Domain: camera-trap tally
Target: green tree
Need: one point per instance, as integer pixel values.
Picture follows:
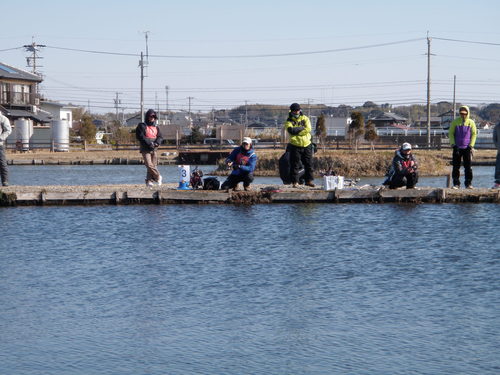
(87, 129)
(370, 133)
(356, 128)
(196, 136)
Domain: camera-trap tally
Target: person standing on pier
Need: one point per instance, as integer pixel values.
(243, 160)
(496, 140)
(5, 130)
(149, 136)
(462, 135)
(300, 145)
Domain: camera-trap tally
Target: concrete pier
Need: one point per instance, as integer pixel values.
(168, 194)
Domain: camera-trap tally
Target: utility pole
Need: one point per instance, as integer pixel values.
(309, 108)
(454, 92)
(428, 91)
(33, 48)
(141, 64)
(246, 113)
(157, 105)
(117, 103)
(189, 99)
(166, 108)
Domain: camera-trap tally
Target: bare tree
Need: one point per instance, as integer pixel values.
(370, 133)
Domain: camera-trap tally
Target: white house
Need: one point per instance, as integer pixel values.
(57, 111)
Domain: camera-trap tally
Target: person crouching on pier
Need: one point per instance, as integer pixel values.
(243, 160)
(403, 170)
(149, 136)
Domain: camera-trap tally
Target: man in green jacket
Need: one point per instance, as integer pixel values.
(462, 135)
(300, 145)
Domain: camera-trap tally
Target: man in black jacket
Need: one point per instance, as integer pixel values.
(150, 138)
(403, 171)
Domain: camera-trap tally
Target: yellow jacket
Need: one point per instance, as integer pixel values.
(299, 129)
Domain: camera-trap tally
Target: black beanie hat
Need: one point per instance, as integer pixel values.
(295, 107)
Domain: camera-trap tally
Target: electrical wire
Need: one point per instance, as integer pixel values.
(243, 56)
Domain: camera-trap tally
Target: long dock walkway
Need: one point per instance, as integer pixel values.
(168, 194)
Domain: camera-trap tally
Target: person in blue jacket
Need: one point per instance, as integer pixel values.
(243, 160)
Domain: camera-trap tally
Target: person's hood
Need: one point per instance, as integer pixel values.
(290, 114)
(467, 109)
(149, 113)
(402, 155)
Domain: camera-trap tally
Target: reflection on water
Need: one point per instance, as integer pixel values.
(271, 289)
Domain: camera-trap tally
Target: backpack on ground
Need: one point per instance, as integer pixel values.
(211, 183)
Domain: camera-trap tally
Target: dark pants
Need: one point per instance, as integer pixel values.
(400, 180)
(460, 154)
(233, 180)
(4, 174)
(497, 168)
(301, 156)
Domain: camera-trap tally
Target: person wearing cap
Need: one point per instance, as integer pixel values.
(300, 147)
(462, 135)
(5, 130)
(243, 160)
(149, 136)
(403, 170)
(496, 141)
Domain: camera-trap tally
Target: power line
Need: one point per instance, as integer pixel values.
(10, 49)
(243, 56)
(467, 41)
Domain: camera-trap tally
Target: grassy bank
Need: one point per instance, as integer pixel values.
(346, 163)
(363, 163)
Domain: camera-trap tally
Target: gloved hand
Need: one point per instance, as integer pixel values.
(294, 130)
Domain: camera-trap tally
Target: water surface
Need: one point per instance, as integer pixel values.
(266, 289)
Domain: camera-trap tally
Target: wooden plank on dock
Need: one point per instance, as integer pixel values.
(193, 196)
(304, 196)
(409, 195)
(137, 194)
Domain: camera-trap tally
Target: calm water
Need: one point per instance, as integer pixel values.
(266, 289)
(134, 174)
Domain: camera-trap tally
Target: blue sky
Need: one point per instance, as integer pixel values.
(376, 51)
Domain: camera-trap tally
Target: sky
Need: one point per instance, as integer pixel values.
(220, 54)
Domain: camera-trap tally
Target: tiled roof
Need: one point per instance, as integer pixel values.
(7, 71)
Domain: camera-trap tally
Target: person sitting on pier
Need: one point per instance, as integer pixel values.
(403, 170)
(149, 136)
(243, 160)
